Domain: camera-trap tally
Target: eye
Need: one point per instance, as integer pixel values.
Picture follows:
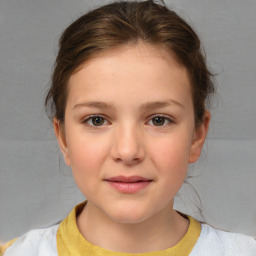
(160, 121)
(95, 121)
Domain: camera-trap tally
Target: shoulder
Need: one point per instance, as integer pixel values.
(38, 242)
(218, 242)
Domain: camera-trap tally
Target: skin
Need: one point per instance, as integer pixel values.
(128, 142)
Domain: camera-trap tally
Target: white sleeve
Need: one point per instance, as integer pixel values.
(38, 242)
(212, 242)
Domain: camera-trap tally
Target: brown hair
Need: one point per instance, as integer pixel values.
(124, 22)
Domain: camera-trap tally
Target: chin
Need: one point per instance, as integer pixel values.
(128, 215)
(128, 219)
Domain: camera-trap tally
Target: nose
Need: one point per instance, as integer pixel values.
(128, 145)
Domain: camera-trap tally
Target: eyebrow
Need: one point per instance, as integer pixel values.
(94, 104)
(144, 107)
(160, 104)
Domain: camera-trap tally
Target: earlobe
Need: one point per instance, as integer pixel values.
(199, 138)
(60, 135)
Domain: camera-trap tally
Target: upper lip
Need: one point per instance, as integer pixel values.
(128, 179)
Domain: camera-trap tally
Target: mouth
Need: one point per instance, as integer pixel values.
(128, 185)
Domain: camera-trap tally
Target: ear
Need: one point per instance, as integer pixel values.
(60, 135)
(200, 134)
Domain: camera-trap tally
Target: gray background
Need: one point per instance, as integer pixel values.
(37, 190)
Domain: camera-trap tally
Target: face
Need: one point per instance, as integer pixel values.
(129, 131)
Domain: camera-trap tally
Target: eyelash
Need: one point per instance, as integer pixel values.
(166, 119)
(90, 118)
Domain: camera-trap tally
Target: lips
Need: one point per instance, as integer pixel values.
(128, 185)
(130, 179)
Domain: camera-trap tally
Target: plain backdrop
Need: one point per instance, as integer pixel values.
(37, 190)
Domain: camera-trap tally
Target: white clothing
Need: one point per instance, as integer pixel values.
(38, 242)
(211, 242)
(214, 242)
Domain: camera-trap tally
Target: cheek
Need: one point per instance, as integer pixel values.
(171, 156)
(85, 153)
(172, 165)
(86, 159)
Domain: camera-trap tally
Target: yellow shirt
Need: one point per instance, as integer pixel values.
(71, 242)
(66, 240)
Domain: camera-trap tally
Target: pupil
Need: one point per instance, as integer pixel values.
(158, 121)
(97, 121)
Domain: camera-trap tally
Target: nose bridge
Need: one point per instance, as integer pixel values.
(128, 143)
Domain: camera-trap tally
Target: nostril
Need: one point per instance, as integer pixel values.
(128, 161)
(127, 147)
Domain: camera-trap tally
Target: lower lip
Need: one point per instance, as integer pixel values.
(129, 187)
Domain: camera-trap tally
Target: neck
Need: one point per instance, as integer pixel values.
(159, 232)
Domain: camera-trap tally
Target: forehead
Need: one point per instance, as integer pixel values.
(140, 50)
(130, 69)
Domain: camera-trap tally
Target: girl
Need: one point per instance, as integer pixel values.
(128, 104)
